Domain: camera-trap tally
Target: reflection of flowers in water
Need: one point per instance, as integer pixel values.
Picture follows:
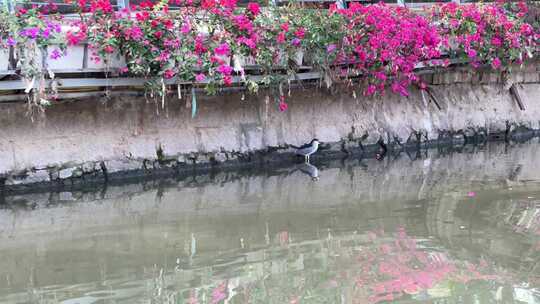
(369, 269)
(219, 293)
(400, 267)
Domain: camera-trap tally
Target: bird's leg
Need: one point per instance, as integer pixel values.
(308, 158)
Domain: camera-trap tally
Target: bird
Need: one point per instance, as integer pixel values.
(307, 149)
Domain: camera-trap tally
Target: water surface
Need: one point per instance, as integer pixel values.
(432, 227)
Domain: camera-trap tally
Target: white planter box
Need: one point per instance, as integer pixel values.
(298, 57)
(226, 59)
(281, 59)
(115, 61)
(247, 61)
(240, 62)
(4, 60)
(71, 59)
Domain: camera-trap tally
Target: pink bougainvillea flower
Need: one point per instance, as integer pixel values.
(11, 42)
(158, 34)
(222, 50)
(496, 41)
(228, 3)
(168, 74)
(108, 49)
(496, 63)
(370, 90)
(248, 42)
(283, 106)
(199, 45)
(227, 80)
(186, 28)
(254, 8)
(208, 4)
(471, 194)
(280, 37)
(243, 23)
(300, 33)
(142, 16)
(21, 11)
(75, 38)
(331, 48)
(526, 29)
(200, 77)
(225, 69)
(55, 54)
(135, 32)
(219, 293)
(471, 53)
(398, 87)
(446, 62)
(31, 33)
(163, 56)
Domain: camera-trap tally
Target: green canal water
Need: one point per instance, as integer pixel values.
(433, 227)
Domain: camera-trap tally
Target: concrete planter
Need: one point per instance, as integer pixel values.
(72, 59)
(298, 57)
(4, 60)
(114, 61)
(247, 61)
(240, 62)
(225, 59)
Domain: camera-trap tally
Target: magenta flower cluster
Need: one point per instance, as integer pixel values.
(210, 41)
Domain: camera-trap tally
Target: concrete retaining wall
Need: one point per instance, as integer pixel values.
(94, 139)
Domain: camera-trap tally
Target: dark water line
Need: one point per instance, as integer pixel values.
(267, 162)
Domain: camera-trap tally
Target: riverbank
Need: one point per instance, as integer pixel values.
(96, 140)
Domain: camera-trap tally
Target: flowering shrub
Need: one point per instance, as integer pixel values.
(5, 37)
(492, 33)
(384, 44)
(212, 41)
(35, 34)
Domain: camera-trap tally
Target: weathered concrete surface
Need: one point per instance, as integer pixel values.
(91, 139)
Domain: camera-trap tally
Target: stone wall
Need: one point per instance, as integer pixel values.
(96, 139)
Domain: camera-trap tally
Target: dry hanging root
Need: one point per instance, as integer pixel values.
(193, 103)
(163, 92)
(179, 89)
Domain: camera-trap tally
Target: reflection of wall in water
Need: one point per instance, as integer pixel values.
(152, 224)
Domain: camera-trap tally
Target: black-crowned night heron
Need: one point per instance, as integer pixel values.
(307, 149)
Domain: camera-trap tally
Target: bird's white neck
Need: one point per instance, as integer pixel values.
(316, 144)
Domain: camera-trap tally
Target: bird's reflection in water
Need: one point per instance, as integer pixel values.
(310, 170)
